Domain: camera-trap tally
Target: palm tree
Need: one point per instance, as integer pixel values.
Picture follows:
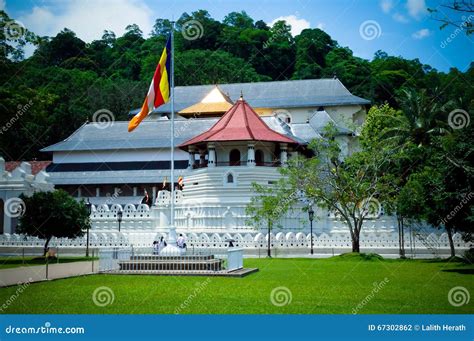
(423, 117)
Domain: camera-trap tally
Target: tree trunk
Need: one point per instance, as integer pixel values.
(269, 250)
(451, 242)
(401, 237)
(355, 245)
(45, 249)
(355, 234)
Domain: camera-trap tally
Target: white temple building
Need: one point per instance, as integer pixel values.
(223, 144)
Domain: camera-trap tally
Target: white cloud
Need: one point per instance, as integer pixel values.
(416, 8)
(386, 5)
(321, 25)
(88, 19)
(297, 25)
(400, 17)
(421, 34)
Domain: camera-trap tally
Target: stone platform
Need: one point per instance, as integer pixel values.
(180, 263)
(186, 265)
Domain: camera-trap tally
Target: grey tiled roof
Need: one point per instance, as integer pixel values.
(279, 94)
(151, 134)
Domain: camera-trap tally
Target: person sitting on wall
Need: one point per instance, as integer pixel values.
(181, 242)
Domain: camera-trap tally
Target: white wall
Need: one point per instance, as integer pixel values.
(162, 154)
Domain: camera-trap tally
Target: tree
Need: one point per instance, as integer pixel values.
(347, 186)
(457, 13)
(312, 46)
(53, 214)
(208, 67)
(268, 206)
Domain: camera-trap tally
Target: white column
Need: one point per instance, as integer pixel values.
(153, 195)
(283, 153)
(191, 157)
(250, 155)
(79, 192)
(135, 191)
(212, 155)
(97, 191)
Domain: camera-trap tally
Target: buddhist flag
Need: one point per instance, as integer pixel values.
(164, 182)
(180, 181)
(159, 91)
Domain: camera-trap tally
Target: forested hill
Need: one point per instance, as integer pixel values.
(47, 96)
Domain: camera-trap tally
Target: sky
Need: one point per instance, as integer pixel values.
(398, 27)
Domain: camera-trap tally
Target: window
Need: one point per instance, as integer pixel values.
(259, 157)
(234, 157)
(230, 178)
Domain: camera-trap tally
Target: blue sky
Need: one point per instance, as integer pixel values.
(399, 27)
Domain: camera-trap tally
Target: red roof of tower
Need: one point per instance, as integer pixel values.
(239, 123)
(36, 166)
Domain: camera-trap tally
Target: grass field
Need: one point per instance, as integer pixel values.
(13, 262)
(340, 285)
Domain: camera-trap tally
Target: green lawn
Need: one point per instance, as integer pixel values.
(13, 262)
(335, 285)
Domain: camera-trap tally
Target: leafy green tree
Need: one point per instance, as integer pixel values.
(348, 186)
(312, 46)
(208, 67)
(268, 207)
(53, 214)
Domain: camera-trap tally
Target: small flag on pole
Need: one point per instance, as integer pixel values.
(164, 182)
(159, 91)
(180, 182)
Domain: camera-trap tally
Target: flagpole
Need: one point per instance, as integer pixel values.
(172, 234)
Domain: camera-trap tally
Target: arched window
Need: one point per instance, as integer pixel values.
(259, 157)
(234, 157)
(230, 178)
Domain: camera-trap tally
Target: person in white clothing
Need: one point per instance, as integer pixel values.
(161, 244)
(181, 242)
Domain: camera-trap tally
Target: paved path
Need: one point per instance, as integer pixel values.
(29, 274)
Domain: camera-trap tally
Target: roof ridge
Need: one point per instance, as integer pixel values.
(247, 119)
